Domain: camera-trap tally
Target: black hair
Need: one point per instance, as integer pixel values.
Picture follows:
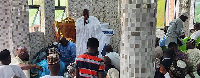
(172, 44)
(169, 52)
(93, 43)
(4, 54)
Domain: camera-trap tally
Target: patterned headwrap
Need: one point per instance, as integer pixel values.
(71, 67)
(53, 56)
(180, 68)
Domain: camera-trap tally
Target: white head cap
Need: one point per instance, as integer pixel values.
(86, 7)
(185, 14)
(20, 47)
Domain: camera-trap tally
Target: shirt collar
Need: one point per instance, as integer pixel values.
(92, 54)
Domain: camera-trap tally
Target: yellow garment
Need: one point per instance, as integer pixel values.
(16, 61)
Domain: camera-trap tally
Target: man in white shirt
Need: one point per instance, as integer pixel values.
(8, 71)
(88, 27)
(174, 31)
(22, 61)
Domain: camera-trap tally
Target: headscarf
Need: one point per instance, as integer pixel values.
(180, 68)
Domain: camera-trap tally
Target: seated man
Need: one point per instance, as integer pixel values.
(8, 71)
(113, 57)
(22, 61)
(67, 50)
(179, 54)
(54, 66)
(44, 65)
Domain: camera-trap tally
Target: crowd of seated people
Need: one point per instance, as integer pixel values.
(178, 61)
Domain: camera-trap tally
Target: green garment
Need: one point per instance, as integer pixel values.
(183, 47)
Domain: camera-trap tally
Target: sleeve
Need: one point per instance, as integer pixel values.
(59, 47)
(167, 75)
(73, 53)
(195, 35)
(76, 66)
(179, 28)
(101, 67)
(21, 73)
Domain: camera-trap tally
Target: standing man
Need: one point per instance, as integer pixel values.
(88, 65)
(67, 50)
(87, 27)
(175, 30)
(22, 60)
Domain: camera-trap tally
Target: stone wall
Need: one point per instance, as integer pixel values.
(107, 11)
(14, 25)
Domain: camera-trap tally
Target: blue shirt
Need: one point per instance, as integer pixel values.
(162, 41)
(46, 71)
(68, 53)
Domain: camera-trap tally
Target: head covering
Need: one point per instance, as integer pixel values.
(20, 47)
(185, 14)
(86, 7)
(53, 56)
(113, 73)
(71, 67)
(179, 68)
(115, 59)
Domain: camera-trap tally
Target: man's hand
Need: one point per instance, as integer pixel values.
(162, 69)
(39, 67)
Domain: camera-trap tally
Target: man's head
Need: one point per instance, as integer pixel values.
(190, 44)
(197, 26)
(92, 45)
(184, 17)
(169, 53)
(165, 29)
(64, 41)
(157, 41)
(22, 53)
(86, 11)
(5, 57)
(53, 63)
(109, 48)
(173, 46)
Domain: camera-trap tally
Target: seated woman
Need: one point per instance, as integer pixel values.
(179, 69)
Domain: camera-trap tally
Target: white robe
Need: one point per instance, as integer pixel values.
(83, 33)
(8, 71)
(195, 35)
(48, 76)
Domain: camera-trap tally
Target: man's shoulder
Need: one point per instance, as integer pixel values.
(71, 43)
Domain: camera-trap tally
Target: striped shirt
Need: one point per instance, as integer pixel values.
(89, 65)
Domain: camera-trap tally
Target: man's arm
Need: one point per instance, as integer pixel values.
(101, 70)
(179, 26)
(73, 53)
(77, 73)
(26, 66)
